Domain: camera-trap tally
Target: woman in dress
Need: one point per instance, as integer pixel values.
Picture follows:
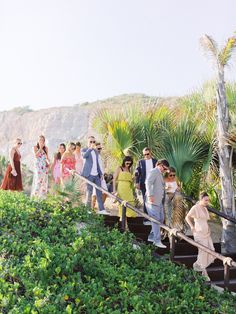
(123, 185)
(78, 158)
(40, 180)
(12, 179)
(67, 162)
(197, 219)
(174, 205)
(56, 166)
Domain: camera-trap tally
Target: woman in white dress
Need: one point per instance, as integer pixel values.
(197, 219)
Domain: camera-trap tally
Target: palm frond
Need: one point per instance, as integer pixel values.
(120, 138)
(227, 51)
(183, 148)
(209, 46)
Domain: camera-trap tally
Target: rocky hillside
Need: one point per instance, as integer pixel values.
(60, 124)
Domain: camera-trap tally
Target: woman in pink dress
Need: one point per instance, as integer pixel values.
(56, 166)
(78, 158)
(67, 162)
(197, 219)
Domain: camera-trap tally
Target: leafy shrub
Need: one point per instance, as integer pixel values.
(47, 267)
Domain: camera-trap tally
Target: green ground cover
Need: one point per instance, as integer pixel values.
(47, 267)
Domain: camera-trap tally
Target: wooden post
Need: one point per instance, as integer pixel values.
(226, 276)
(123, 218)
(172, 247)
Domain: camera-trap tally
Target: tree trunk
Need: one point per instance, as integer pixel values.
(225, 164)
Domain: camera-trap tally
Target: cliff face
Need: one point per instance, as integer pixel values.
(58, 125)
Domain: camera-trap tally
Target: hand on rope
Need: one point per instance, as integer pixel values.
(174, 232)
(227, 261)
(124, 203)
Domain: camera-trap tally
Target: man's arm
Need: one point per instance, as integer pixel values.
(85, 152)
(151, 178)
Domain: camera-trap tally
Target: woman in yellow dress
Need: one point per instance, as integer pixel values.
(123, 185)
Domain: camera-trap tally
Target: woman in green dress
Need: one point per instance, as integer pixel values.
(123, 185)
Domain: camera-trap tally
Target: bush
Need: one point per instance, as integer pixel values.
(47, 267)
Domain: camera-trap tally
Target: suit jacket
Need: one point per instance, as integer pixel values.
(140, 172)
(155, 186)
(88, 162)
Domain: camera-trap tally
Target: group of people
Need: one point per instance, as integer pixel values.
(155, 179)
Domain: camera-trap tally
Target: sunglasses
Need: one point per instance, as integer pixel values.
(128, 163)
(92, 142)
(99, 148)
(146, 154)
(19, 143)
(172, 175)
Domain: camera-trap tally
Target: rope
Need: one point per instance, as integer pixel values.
(227, 261)
(174, 232)
(124, 203)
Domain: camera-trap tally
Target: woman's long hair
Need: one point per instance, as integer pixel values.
(58, 155)
(127, 158)
(44, 147)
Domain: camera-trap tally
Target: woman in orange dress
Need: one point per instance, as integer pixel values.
(201, 233)
(68, 161)
(12, 179)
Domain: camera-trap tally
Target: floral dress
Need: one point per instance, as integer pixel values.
(40, 180)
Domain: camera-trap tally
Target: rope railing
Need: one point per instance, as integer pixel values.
(174, 233)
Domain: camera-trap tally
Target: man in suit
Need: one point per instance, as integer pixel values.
(155, 195)
(144, 166)
(92, 171)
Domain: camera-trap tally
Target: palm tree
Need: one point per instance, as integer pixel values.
(221, 58)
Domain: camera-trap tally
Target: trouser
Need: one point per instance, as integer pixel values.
(157, 212)
(143, 190)
(96, 180)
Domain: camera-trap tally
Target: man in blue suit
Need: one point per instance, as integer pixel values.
(91, 171)
(144, 166)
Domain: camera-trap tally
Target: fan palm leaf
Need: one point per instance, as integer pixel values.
(184, 148)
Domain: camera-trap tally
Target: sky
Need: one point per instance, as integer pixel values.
(65, 52)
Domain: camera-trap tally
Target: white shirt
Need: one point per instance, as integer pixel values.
(171, 187)
(94, 170)
(149, 166)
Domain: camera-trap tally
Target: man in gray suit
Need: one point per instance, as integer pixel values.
(155, 194)
(91, 171)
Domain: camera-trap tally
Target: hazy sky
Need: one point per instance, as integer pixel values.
(62, 52)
